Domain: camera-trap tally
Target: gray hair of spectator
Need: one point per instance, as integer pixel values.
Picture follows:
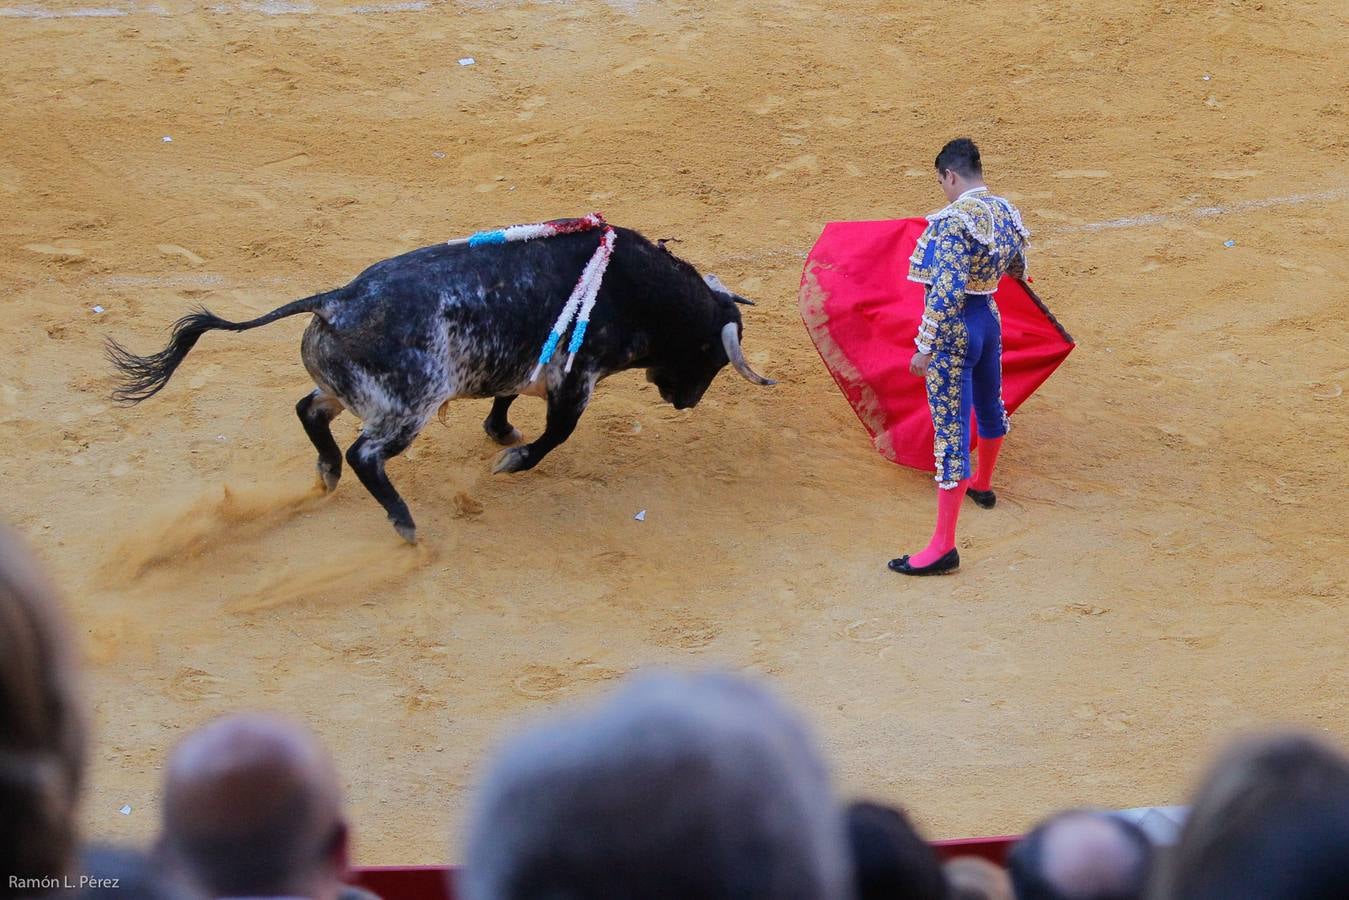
(1271, 818)
(1082, 855)
(677, 786)
(42, 732)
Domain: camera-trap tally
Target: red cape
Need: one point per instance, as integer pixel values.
(863, 312)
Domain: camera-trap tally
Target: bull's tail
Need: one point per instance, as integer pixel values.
(144, 376)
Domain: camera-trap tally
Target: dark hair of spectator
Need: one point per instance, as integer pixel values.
(41, 726)
(120, 873)
(891, 861)
(1271, 819)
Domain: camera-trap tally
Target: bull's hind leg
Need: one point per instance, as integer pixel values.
(498, 426)
(379, 442)
(316, 412)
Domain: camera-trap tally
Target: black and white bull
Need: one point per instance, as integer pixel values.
(451, 321)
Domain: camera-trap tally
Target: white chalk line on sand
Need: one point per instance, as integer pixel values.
(1205, 212)
(285, 8)
(265, 7)
(37, 12)
(1139, 221)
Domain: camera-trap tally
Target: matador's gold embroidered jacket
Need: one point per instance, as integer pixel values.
(966, 249)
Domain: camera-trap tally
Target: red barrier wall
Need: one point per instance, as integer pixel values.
(431, 882)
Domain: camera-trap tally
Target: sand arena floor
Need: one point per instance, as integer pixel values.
(1166, 564)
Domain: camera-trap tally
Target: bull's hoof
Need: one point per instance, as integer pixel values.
(407, 531)
(516, 459)
(508, 438)
(329, 477)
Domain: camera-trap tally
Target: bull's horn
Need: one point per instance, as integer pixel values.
(730, 339)
(715, 284)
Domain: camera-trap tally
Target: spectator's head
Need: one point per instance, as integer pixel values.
(891, 861)
(1082, 855)
(973, 878)
(678, 786)
(1271, 819)
(41, 725)
(252, 808)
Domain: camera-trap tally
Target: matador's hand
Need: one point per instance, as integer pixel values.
(919, 363)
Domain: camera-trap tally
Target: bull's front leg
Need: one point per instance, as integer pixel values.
(498, 426)
(566, 402)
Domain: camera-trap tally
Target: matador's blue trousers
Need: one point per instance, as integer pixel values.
(965, 375)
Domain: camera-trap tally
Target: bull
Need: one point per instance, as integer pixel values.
(452, 321)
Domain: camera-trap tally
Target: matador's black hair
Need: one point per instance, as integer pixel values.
(962, 157)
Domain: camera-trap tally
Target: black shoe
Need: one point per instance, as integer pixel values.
(948, 563)
(986, 499)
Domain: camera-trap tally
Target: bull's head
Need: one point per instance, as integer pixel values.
(683, 384)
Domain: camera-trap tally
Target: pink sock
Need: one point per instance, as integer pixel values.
(944, 537)
(989, 448)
